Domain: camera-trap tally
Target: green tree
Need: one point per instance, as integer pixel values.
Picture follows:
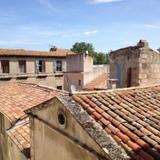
(82, 47)
(101, 58)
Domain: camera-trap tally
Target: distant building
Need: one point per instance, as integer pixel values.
(45, 68)
(82, 74)
(134, 66)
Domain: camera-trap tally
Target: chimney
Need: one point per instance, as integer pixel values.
(143, 43)
(112, 83)
(53, 48)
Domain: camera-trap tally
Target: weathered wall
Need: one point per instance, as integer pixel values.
(51, 78)
(143, 61)
(79, 63)
(14, 152)
(60, 141)
(149, 67)
(8, 150)
(97, 71)
(73, 79)
(120, 62)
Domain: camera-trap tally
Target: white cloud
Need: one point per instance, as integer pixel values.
(89, 33)
(152, 26)
(103, 1)
(46, 3)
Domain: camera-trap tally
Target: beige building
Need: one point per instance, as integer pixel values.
(45, 68)
(135, 65)
(81, 72)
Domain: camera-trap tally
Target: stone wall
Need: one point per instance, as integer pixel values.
(143, 63)
(122, 62)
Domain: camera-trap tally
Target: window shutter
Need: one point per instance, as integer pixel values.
(64, 66)
(37, 66)
(54, 66)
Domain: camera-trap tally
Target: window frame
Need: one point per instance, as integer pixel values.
(20, 65)
(59, 67)
(3, 65)
(43, 66)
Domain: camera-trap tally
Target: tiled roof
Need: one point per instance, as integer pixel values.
(20, 134)
(130, 116)
(22, 52)
(98, 83)
(15, 98)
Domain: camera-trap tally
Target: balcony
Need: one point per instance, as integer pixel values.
(22, 76)
(5, 76)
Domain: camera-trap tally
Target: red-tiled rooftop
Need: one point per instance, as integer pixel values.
(22, 52)
(130, 116)
(20, 134)
(97, 83)
(15, 98)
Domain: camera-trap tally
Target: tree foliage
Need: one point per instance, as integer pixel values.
(82, 47)
(101, 58)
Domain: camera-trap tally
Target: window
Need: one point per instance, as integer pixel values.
(58, 65)
(59, 87)
(22, 66)
(5, 66)
(79, 82)
(40, 66)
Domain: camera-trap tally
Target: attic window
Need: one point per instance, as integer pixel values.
(61, 120)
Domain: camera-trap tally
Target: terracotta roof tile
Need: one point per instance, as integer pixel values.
(130, 116)
(98, 83)
(20, 134)
(15, 98)
(22, 52)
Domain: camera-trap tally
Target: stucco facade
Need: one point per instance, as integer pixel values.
(67, 141)
(50, 77)
(80, 71)
(134, 66)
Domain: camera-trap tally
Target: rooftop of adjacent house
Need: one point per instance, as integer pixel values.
(20, 134)
(130, 116)
(28, 53)
(98, 83)
(17, 97)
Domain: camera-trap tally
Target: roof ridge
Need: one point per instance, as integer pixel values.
(116, 89)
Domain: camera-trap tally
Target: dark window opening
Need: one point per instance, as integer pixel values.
(79, 82)
(59, 87)
(58, 65)
(61, 119)
(22, 66)
(40, 66)
(129, 77)
(5, 66)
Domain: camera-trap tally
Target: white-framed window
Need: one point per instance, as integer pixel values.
(40, 66)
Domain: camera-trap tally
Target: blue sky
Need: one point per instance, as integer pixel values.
(107, 24)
